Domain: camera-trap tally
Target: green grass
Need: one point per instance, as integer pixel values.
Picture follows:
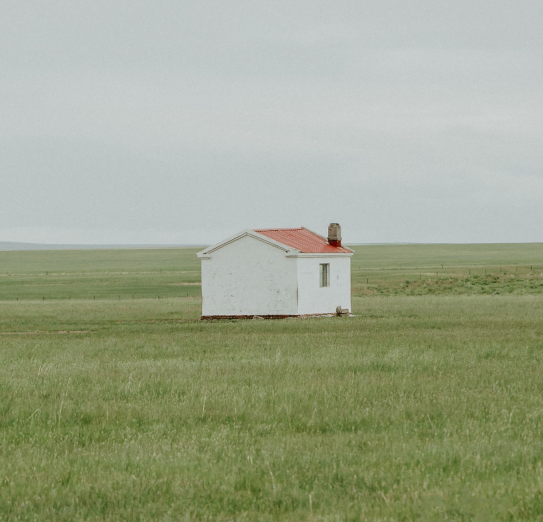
(99, 274)
(446, 269)
(421, 407)
(175, 272)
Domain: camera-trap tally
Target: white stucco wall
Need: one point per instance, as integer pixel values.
(249, 277)
(312, 299)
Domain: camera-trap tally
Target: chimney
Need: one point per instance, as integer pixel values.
(334, 234)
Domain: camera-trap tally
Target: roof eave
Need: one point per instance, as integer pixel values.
(322, 254)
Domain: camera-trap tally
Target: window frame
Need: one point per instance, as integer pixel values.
(324, 275)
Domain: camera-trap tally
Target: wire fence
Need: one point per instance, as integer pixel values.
(360, 276)
(95, 297)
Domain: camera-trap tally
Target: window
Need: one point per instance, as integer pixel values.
(325, 274)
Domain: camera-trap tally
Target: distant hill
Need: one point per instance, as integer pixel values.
(9, 246)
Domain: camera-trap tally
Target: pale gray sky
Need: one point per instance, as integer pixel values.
(185, 121)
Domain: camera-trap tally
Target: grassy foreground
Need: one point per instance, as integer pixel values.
(419, 408)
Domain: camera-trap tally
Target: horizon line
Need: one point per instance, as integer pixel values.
(20, 245)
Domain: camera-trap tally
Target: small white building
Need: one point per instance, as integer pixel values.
(276, 272)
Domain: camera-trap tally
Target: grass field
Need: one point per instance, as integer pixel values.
(117, 403)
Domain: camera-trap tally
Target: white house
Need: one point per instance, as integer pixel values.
(276, 272)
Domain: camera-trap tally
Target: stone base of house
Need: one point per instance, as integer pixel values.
(220, 317)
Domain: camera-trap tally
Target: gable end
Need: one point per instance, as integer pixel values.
(206, 254)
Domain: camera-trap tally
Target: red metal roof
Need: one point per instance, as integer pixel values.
(303, 240)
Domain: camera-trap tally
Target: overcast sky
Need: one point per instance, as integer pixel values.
(186, 121)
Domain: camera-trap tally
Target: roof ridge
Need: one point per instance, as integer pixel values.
(293, 228)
